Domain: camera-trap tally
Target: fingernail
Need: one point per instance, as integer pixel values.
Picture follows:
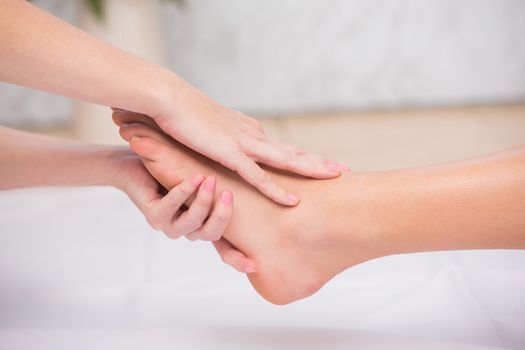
(249, 269)
(197, 180)
(227, 197)
(333, 167)
(293, 198)
(210, 184)
(135, 138)
(343, 167)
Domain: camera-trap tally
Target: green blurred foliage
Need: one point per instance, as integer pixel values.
(97, 6)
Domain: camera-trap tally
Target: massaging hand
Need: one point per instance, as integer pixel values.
(165, 211)
(49, 54)
(238, 142)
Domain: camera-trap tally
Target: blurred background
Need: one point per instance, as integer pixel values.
(378, 84)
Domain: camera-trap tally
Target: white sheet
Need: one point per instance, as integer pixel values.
(80, 266)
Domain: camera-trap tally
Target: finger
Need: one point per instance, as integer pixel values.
(258, 178)
(193, 219)
(137, 129)
(148, 192)
(294, 160)
(121, 117)
(219, 219)
(331, 165)
(233, 257)
(115, 116)
(160, 213)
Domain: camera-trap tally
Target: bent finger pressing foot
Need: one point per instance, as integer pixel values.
(197, 222)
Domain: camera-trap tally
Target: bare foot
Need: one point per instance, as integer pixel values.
(297, 250)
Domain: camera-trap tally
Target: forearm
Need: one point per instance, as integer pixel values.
(28, 160)
(43, 52)
(475, 204)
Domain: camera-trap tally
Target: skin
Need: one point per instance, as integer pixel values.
(28, 160)
(472, 204)
(40, 51)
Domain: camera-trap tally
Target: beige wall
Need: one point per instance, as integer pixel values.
(387, 140)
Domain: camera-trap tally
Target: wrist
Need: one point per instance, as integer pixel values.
(111, 167)
(168, 92)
